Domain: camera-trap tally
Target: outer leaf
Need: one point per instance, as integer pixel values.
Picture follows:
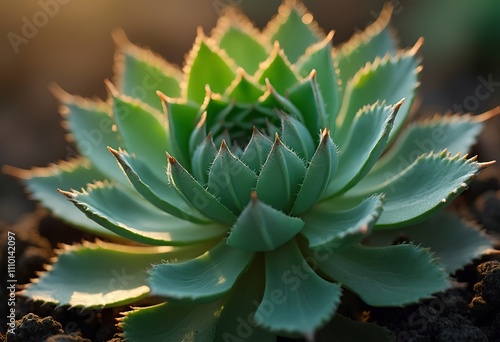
(319, 58)
(219, 76)
(138, 220)
(237, 320)
(343, 329)
(455, 242)
(43, 183)
(143, 132)
(142, 324)
(243, 89)
(294, 29)
(386, 276)
(260, 227)
(290, 284)
(280, 178)
(318, 175)
(364, 145)
(426, 185)
(98, 275)
(182, 119)
(296, 136)
(306, 97)
(376, 40)
(196, 194)
(158, 191)
(454, 133)
(389, 79)
(237, 36)
(230, 180)
(91, 126)
(204, 279)
(278, 70)
(140, 73)
(257, 150)
(340, 228)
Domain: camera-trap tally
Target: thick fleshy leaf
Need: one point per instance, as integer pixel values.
(182, 118)
(280, 178)
(204, 279)
(343, 329)
(319, 58)
(42, 183)
(92, 128)
(136, 219)
(140, 73)
(196, 194)
(296, 137)
(429, 183)
(340, 228)
(389, 79)
(376, 40)
(117, 274)
(230, 180)
(203, 157)
(318, 175)
(158, 191)
(237, 322)
(364, 145)
(219, 76)
(386, 276)
(243, 89)
(290, 284)
(260, 228)
(275, 100)
(278, 70)
(160, 323)
(294, 29)
(455, 242)
(257, 151)
(143, 131)
(455, 133)
(236, 35)
(307, 98)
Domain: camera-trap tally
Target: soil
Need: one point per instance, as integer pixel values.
(470, 311)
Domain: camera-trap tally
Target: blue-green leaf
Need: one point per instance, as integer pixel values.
(389, 79)
(294, 28)
(319, 174)
(280, 178)
(136, 219)
(386, 276)
(336, 229)
(196, 194)
(257, 151)
(203, 158)
(364, 145)
(230, 180)
(42, 183)
(455, 133)
(117, 273)
(158, 191)
(278, 70)
(160, 323)
(290, 284)
(296, 137)
(204, 279)
(218, 76)
(143, 131)
(325, 82)
(140, 73)
(260, 227)
(243, 89)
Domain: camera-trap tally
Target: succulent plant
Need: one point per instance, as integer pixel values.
(255, 188)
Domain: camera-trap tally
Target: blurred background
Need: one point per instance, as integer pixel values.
(68, 42)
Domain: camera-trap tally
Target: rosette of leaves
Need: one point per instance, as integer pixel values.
(260, 184)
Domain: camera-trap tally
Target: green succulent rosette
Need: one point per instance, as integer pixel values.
(258, 185)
